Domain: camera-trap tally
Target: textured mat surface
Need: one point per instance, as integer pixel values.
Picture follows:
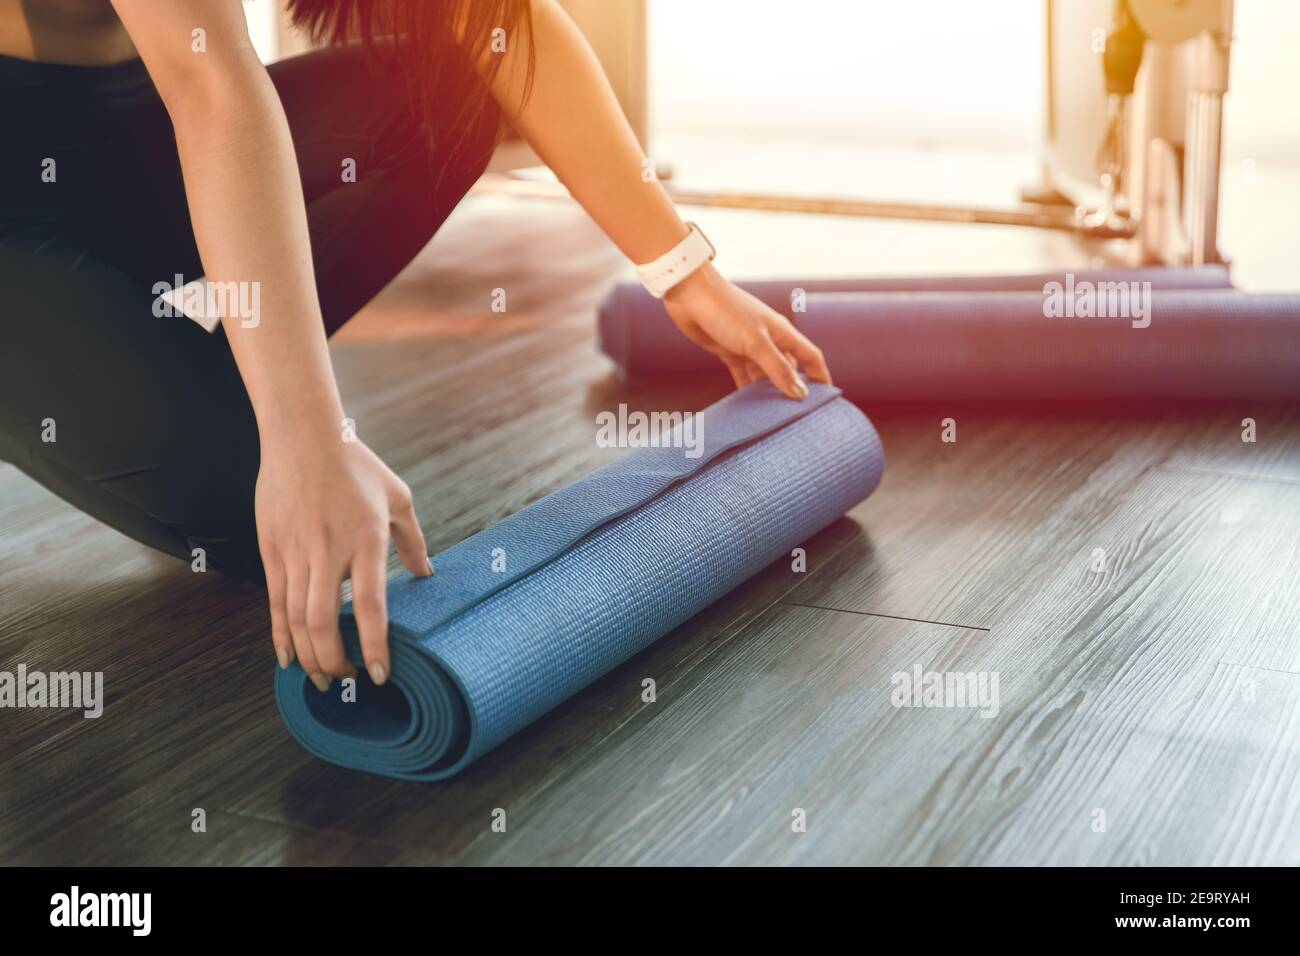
(637, 335)
(593, 574)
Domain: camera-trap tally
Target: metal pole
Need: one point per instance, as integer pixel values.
(1036, 217)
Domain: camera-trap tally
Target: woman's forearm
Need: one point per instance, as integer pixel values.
(574, 123)
(250, 225)
(245, 202)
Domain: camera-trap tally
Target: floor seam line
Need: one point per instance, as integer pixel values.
(892, 617)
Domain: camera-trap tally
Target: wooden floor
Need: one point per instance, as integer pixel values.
(1159, 695)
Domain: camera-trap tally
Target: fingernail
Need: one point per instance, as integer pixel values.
(800, 388)
(377, 673)
(283, 657)
(321, 681)
(428, 566)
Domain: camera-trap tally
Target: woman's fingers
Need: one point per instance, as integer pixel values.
(794, 342)
(276, 588)
(296, 607)
(323, 599)
(762, 351)
(370, 605)
(407, 536)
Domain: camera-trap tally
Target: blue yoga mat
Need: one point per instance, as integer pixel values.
(637, 335)
(594, 573)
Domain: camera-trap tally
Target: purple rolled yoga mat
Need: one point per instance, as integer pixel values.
(637, 335)
(1173, 345)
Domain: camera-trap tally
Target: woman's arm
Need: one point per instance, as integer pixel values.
(573, 121)
(325, 506)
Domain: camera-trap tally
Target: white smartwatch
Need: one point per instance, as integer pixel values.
(677, 263)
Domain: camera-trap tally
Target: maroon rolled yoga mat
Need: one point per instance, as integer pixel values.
(637, 335)
(1172, 345)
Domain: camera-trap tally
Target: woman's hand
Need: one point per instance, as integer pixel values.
(751, 340)
(325, 512)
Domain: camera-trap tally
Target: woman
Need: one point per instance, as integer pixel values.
(145, 141)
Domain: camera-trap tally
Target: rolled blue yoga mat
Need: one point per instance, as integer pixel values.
(594, 573)
(637, 335)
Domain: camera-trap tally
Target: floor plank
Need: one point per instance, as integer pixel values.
(228, 840)
(1108, 683)
(1208, 780)
(959, 525)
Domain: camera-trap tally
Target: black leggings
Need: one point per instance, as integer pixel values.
(143, 422)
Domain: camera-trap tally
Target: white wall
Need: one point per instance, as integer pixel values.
(912, 72)
(903, 71)
(1261, 114)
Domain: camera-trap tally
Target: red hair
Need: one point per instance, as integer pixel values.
(448, 51)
